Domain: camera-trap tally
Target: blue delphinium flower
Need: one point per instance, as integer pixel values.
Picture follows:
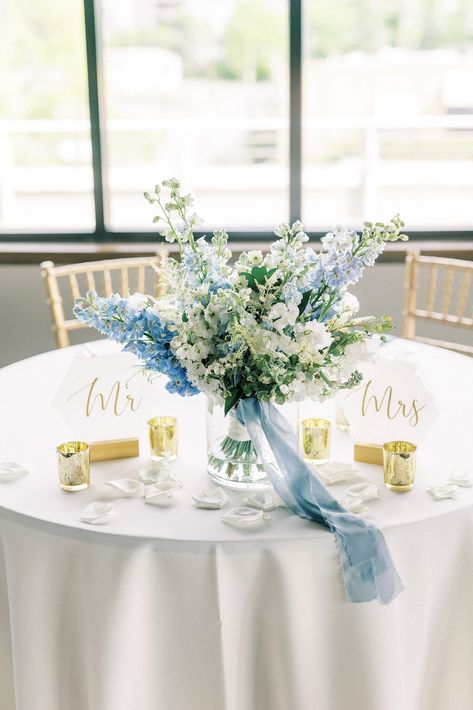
(342, 268)
(140, 330)
(204, 266)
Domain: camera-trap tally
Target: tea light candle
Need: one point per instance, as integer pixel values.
(163, 438)
(399, 461)
(73, 462)
(315, 439)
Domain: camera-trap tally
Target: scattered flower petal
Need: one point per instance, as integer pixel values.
(447, 490)
(461, 478)
(97, 513)
(211, 498)
(337, 472)
(155, 472)
(355, 505)
(244, 518)
(264, 500)
(364, 491)
(128, 487)
(11, 470)
(163, 493)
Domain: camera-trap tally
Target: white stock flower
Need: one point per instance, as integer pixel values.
(282, 315)
(347, 309)
(320, 337)
(364, 351)
(137, 301)
(341, 238)
(255, 257)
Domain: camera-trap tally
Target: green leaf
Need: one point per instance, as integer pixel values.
(250, 278)
(305, 300)
(247, 389)
(232, 399)
(259, 273)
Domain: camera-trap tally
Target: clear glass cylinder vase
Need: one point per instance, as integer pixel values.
(232, 458)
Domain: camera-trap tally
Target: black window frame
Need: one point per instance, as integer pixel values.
(103, 235)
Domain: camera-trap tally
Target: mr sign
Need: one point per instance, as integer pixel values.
(106, 396)
(392, 402)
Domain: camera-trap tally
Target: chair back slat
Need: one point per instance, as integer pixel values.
(107, 282)
(90, 280)
(124, 281)
(432, 288)
(77, 275)
(447, 292)
(452, 278)
(74, 286)
(140, 285)
(463, 295)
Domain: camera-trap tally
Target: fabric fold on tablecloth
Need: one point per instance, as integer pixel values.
(368, 570)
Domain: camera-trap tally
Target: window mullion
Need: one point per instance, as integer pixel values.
(95, 84)
(295, 108)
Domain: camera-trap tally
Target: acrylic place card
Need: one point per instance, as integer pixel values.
(393, 402)
(107, 397)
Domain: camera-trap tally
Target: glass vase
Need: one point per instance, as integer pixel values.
(232, 458)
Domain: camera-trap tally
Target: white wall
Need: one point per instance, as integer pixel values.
(25, 325)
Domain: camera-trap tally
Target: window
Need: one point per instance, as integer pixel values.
(198, 90)
(268, 110)
(46, 178)
(388, 112)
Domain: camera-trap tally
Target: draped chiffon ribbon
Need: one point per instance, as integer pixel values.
(367, 567)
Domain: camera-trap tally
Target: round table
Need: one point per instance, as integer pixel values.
(170, 609)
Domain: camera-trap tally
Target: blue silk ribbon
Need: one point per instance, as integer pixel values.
(367, 567)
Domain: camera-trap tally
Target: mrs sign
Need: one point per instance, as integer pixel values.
(392, 402)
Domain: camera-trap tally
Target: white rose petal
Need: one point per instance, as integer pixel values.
(245, 518)
(163, 493)
(264, 500)
(442, 492)
(364, 491)
(337, 472)
(159, 471)
(127, 488)
(355, 505)
(97, 513)
(11, 470)
(211, 498)
(460, 477)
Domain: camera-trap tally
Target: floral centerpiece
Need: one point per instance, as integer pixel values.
(264, 330)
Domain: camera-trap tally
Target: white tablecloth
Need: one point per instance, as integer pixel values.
(169, 609)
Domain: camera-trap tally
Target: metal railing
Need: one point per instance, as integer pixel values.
(188, 134)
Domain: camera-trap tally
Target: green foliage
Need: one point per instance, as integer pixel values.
(258, 276)
(340, 26)
(42, 59)
(255, 35)
(178, 36)
(305, 300)
(232, 400)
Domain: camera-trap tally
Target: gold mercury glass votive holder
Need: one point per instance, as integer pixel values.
(315, 439)
(73, 463)
(399, 460)
(163, 438)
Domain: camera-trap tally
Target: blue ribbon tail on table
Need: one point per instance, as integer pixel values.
(368, 570)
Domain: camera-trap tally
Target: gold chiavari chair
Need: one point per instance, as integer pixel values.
(66, 283)
(446, 299)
